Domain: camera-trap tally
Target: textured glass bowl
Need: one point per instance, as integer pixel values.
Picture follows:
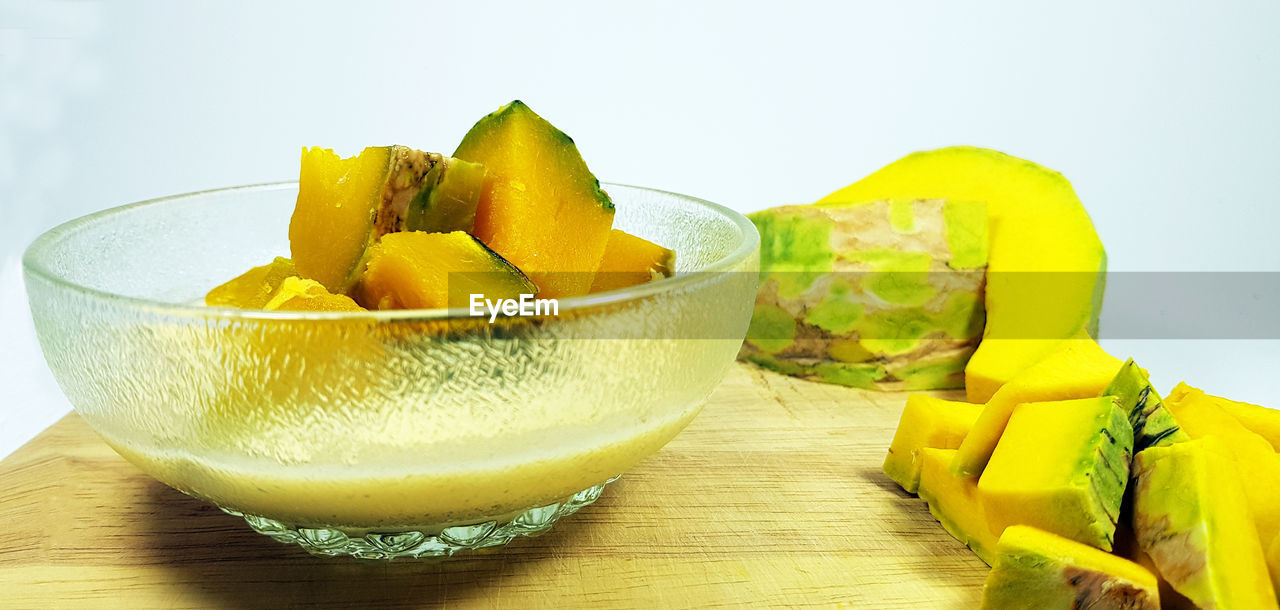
(380, 434)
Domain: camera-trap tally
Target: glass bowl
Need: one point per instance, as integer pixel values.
(382, 434)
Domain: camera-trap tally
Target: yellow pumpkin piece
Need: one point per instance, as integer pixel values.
(1263, 421)
(630, 260)
(1192, 518)
(540, 207)
(926, 422)
(332, 223)
(345, 204)
(418, 270)
(297, 294)
(1062, 467)
(1077, 368)
(1039, 570)
(1256, 462)
(253, 288)
(956, 502)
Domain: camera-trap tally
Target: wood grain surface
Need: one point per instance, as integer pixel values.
(772, 497)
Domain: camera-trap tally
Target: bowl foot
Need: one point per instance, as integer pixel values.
(416, 544)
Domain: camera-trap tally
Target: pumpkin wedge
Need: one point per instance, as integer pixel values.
(540, 207)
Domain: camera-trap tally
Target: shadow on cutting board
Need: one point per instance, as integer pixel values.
(915, 526)
(217, 561)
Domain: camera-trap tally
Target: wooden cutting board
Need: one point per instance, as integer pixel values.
(773, 496)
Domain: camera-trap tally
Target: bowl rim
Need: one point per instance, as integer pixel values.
(33, 265)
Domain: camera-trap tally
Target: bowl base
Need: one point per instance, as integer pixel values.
(416, 544)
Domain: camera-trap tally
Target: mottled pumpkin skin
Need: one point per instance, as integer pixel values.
(884, 294)
(630, 260)
(540, 208)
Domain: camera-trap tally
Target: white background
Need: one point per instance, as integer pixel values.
(1163, 114)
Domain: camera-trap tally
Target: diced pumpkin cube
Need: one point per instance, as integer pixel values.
(1076, 368)
(1039, 570)
(541, 208)
(253, 288)
(1062, 467)
(926, 422)
(1192, 518)
(298, 294)
(1254, 459)
(956, 502)
(345, 204)
(630, 260)
(417, 270)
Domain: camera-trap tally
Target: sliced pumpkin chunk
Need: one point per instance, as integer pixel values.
(1035, 569)
(1191, 516)
(298, 294)
(630, 260)
(1076, 368)
(1062, 467)
(540, 208)
(253, 288)
(955, 502)
(926, 422)
(418, 270)
(1152, 423)
(1252, 456)
(1263, 421)
(345, 204)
